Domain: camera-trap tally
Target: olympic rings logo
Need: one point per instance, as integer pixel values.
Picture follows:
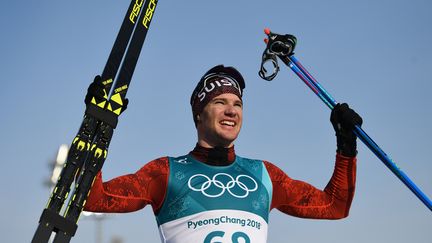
(240, 181)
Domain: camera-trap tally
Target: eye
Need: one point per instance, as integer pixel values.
(219, 102)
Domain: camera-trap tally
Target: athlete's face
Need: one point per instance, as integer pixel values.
(220, 122)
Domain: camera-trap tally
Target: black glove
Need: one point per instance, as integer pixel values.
(344, 119)
(96, 90)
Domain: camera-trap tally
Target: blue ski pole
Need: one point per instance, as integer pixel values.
(283, 47)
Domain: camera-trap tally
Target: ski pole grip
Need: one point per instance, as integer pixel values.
(281, 45)
(281, 48)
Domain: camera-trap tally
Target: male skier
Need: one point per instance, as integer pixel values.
(212, 194)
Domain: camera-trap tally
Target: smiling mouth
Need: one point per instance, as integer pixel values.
(228, 123)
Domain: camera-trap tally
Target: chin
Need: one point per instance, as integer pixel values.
(228, 141)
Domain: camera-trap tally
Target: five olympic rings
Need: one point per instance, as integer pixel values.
(229, 185)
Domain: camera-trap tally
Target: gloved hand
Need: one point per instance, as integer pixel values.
(96, 90)
(344, 119)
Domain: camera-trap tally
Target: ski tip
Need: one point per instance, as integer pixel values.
(267, 31)
(266, 40)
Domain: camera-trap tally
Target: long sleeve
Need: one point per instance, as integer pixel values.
(300, 199)
(130, 192)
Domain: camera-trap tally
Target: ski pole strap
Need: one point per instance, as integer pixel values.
(268, 57)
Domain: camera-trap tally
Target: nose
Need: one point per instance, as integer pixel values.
(230, 111)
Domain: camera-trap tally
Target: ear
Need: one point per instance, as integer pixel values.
(198, 119)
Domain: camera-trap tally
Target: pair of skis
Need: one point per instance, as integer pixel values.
(282, 46)
(90, 146)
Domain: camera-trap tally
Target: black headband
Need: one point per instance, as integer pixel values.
(228, 73)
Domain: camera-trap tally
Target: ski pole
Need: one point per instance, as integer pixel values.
(283, 47)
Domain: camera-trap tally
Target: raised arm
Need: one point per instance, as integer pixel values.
(300, 199)
(130, 192)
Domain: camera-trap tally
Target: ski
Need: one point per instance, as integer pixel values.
(90, 146)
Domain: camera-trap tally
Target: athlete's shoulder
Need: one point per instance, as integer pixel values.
(269, 164)
(159, 165)
(159, 161)
(179, 157)
(182, 159)
(241, 158)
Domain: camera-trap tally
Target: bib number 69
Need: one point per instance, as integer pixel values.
(236, 236)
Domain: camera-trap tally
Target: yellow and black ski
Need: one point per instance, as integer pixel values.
(90, 146)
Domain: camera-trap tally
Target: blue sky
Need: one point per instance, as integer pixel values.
(375, 55)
